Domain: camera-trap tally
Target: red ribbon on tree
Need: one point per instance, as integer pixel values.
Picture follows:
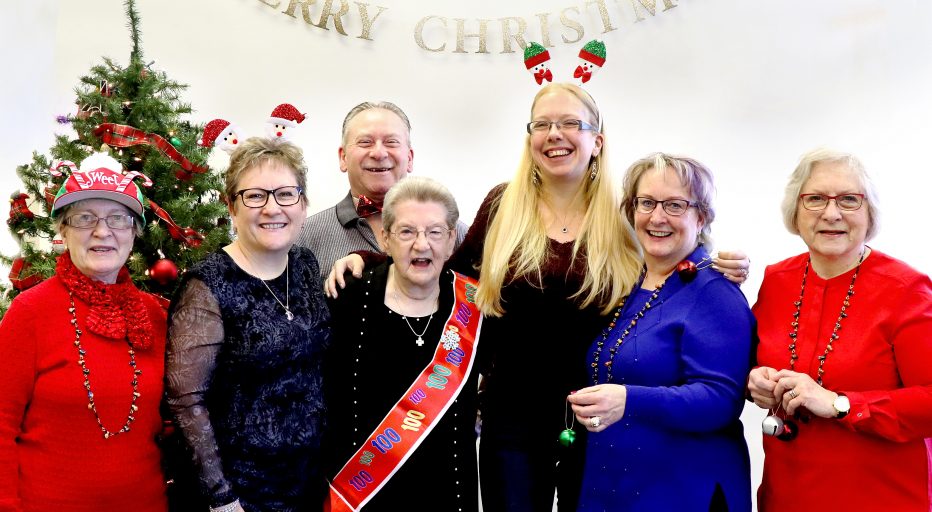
(121, 136)
(21, 276)
(186, 235)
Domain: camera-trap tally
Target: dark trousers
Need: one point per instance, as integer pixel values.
(523, 480)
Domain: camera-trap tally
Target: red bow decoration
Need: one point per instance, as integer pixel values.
(580, 72)
(121, 136)
(366, 207)
(19, 210)
(186, 235)
(21, 277)
(542, 75)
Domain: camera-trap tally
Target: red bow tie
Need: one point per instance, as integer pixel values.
(366, 207)
(586, 75)
(541, 75)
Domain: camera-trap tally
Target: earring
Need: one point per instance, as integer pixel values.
(593, 170)
(535, 174)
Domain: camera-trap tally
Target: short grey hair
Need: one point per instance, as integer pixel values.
(422, 190)
(59, 220)
(696, 177)
(369, 105)
(790, 204)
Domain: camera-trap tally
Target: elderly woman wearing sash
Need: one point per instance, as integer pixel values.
(400, 380)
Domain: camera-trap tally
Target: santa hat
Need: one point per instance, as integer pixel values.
(286, 115)
(594, 52)
(213, 130)
(535, 54)
(100, 177)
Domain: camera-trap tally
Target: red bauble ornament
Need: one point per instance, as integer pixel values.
(687, 270)
(163, 271)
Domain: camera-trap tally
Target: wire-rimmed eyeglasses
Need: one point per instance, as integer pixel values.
(816, 202)
(566, 125)
(433, 234)
(674, 207)
(90, 221)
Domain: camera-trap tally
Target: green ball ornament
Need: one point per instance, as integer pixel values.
(175, 141)
(567, 437)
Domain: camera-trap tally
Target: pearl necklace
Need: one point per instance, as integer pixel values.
(841, 316)
(87, 382)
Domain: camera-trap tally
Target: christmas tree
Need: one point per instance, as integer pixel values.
(136, 114)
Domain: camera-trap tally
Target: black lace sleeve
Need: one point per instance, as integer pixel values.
(195, 336)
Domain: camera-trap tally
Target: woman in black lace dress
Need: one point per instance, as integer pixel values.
(247, 333)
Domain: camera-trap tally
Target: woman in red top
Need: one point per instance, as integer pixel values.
(844, 355)
(83, 356)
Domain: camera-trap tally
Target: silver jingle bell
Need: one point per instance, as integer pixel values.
(772, 426)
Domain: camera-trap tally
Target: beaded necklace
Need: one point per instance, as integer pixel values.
(87, 382)
(841, 316)
(614, 348)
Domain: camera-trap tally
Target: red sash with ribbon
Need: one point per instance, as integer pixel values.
(419, 409)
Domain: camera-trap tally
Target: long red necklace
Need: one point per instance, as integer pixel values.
(846, 303)
(85, 372)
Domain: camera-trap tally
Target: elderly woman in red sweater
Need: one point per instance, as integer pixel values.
(844, 355)
(83, 357)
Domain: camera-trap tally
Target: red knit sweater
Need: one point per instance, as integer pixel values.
(52, 453)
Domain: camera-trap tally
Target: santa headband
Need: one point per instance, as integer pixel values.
(99, 177)
(227, 136)
(591, 59)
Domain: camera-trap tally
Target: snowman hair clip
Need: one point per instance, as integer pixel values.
(591, 59)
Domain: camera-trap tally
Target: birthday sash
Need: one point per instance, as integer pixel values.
(422, 406)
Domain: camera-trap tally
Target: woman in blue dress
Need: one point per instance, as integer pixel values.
(668, 372)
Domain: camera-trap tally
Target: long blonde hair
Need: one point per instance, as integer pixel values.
(516, 242)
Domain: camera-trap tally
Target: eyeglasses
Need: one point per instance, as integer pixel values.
(259, 197)
(674, 207)
(434, 234)
(566, 125)
(847, 202)
(90, 221)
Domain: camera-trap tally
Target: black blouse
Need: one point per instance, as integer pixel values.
(244, 383)
(374, 359)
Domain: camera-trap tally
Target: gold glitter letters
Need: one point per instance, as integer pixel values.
(366, 22)
(507, 35)
(419, 33)
(461, 35)
(651, 6)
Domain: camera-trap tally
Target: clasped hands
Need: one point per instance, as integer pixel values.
(772, 389)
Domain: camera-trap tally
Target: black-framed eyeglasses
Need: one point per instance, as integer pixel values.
(90, 221)
(259, 197)
(816, 202)
(674, 207)
(566, 125)
(433, 234)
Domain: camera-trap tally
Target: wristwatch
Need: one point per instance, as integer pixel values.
(842, 406)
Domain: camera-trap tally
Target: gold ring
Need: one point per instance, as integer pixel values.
(793, 393)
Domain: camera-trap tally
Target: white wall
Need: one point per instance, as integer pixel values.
(745, 87)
